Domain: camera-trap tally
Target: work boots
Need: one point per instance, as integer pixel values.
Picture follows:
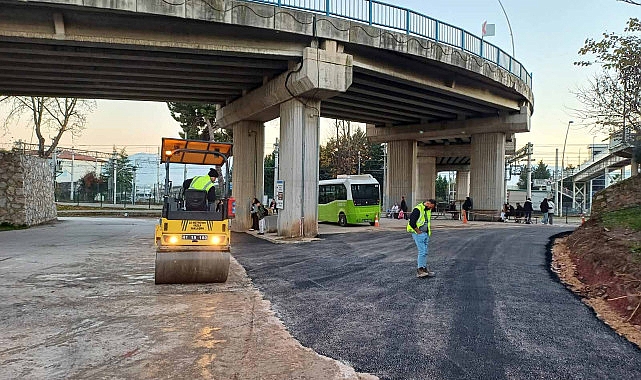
(424, 272)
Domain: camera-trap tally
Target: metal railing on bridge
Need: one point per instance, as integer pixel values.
(389, 16)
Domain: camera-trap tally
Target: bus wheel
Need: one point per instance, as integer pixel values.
(342, 220)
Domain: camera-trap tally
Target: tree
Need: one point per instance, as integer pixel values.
(89, 186)
(124, 173)
(442, 188)
(539, 172)
(51, 117)
(269, 175)
(343, 154)
(198, 122)
(612, 99)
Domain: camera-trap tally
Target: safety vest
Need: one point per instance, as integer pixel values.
(421, 219)
(201, 182)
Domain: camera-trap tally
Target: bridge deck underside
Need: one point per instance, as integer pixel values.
(85, 67)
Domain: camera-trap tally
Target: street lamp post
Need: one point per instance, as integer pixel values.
(560, 203)
(133, 185)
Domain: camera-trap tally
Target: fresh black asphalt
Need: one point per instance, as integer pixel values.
(493, 311)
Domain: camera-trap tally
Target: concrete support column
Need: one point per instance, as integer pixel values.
(401, 172)
(634, 166)
(425, 187)
(248, 153)
(462, 184)
(299, 151)
(487, 172)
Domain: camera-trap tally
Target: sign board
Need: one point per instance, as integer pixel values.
(280, 193)
(540, 182)
(514, 196)
(487, 29)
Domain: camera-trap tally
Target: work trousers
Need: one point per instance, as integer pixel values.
(422, 242)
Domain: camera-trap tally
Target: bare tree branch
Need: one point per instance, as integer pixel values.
(51, 117)
(630, 2)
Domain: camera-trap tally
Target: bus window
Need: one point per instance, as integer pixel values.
(365, 194)
(341, 192)
(331, 193)
(322, 198)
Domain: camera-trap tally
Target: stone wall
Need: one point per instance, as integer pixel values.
(622, 195)
(26, 190)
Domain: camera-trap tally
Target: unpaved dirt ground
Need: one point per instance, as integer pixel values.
(595, 263)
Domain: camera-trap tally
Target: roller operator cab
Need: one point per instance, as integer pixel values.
(192, 238)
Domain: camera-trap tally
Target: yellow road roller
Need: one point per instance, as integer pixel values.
(193, 240)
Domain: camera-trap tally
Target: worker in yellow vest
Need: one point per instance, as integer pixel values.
(420, 227)
(203, 182)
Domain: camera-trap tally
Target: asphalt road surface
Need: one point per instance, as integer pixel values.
(78, 301)
(493, 311)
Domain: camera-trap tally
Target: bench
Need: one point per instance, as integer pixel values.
(521, 219)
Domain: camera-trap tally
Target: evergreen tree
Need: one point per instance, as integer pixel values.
(124, 175)
(269, 175)
(198, 122)
(442, 188)
(341, 154)
(539, 172)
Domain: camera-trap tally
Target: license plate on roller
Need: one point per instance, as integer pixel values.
(194, 237)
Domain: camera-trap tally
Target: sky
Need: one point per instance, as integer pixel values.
(547, 36)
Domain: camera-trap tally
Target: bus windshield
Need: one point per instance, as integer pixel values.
(365, 194)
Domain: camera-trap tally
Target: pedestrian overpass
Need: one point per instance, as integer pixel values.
(579, 184)
(440, 97)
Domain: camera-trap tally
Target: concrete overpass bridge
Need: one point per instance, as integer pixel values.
(440, 97)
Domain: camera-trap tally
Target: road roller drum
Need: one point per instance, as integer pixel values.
(191, 267)
(193, 240)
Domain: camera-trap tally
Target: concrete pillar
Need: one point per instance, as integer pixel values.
(401, 172)
(299, 152)
(425, 186)
(462, 184)
(247, 174)
(634, 166)
(487, 172)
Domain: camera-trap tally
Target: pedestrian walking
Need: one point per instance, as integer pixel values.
(254, 214)
(544, 210)
(550, 212)
(467, 207)
(420, 227)
(262, 213)
(527, 207)
(404, 208)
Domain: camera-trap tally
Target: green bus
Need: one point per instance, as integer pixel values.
(349, 199)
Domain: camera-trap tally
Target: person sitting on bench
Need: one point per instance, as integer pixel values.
(519, 213)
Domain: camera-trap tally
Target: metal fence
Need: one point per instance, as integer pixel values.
(389, 16)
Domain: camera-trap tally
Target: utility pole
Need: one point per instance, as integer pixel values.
(384, 187)
(133, 185)
(275, 165)
(556, 177)
(529, 171)
(115, 173)
(72, 185)
(157, 185)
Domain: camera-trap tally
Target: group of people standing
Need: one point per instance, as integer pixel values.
(525, 211)
(258, 214)
(547, 209)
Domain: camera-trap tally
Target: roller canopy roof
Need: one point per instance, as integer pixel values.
(195, 151)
